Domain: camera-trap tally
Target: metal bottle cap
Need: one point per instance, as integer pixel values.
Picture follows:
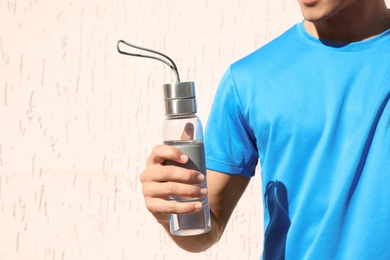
(180, 98)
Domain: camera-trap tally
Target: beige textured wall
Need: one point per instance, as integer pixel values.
(77, 120)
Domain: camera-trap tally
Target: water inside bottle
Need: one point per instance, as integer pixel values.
(199, 222)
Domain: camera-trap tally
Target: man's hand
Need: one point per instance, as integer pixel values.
(161, 181)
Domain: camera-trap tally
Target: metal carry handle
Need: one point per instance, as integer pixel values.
(168, 61)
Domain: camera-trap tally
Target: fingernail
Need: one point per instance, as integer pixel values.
(203, 192)
(200, 177)
(198, 206)
(183, 158)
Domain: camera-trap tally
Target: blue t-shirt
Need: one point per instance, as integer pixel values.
(317, 115)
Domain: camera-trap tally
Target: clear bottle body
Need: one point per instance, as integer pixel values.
(186, 134)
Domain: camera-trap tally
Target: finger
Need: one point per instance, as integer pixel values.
(161, 153)
(188, 132)
(165, 189)
(172, 173)
(161, 206)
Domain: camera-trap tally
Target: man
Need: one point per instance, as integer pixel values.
(314, 106)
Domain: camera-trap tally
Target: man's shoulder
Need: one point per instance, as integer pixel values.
(271, 51)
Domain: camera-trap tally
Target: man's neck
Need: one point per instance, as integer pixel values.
(357, 24)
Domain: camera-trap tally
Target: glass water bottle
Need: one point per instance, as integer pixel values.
(183, 130)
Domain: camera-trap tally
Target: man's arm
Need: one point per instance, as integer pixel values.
(160, 181)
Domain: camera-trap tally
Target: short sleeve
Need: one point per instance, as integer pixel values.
(229, 142)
